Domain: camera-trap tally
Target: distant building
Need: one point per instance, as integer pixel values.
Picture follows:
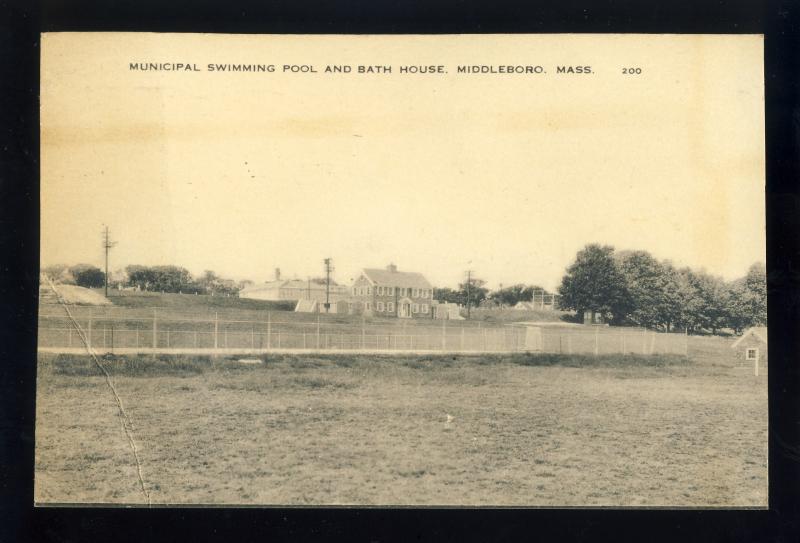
(293, 290)
(391, 293)
(752, 345)
(342, 307)
(446, 311)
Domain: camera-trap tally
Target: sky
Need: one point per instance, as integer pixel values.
(504, 174)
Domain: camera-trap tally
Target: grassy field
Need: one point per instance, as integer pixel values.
(514, 315)
(190, 302)
(522, 430)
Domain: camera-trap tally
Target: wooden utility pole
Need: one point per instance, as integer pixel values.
(107, 244)
(469, 291)
(328, 270)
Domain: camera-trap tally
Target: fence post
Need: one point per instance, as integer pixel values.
(155, 329)
(252, 336)
(269, 330)
(462, 338)
(89, 334)
(167, 339)
(596, 341)
(364, 333)
(216, 330)
(317, 330)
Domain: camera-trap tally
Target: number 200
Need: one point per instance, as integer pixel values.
(632, 71)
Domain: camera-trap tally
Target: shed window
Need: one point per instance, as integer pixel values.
(752, 354)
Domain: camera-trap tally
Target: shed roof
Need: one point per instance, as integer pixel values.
(758, 331)
(396, 278)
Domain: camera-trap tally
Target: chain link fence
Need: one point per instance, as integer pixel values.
(114, 330)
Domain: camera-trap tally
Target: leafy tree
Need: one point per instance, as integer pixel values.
(755, 286)
(141, 277)
(594, 283)
(87, 275)
(747, 299)
(509, 296)
(670, 301)
(473, 292)
(646, 283)
(447, 294)
(710, 306)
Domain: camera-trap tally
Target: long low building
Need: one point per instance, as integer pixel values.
(293, 290)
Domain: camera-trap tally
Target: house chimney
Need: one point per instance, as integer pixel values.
(392, 268)
(277, 274)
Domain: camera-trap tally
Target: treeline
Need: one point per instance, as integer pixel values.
(634, 288)
(173, 279)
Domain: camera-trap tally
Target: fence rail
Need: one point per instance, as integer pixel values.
(104, 333)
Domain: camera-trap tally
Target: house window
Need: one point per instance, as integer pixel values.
(380, 291)
(414, 308)
(390, 291)
(380, 306)
(366, 306)
(390, 307)
(752, 354)
(402, 291)
(369, 291)
(424, 308)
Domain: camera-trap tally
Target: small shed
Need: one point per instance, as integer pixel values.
(752, 345)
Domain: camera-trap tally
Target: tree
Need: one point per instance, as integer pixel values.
(447, 294)
(594, 283)
(511, 295)
(472, 292)
(747, 299)
(646, 283)
(710, 306)
(55, 271)
(87, 275)
(755, 287)
(670, 301)
(141, 277)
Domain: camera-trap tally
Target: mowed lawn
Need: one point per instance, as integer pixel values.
(522, 430)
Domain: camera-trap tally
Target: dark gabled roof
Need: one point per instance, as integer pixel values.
(395, 278)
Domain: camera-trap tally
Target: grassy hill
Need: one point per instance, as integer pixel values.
(189, 302)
